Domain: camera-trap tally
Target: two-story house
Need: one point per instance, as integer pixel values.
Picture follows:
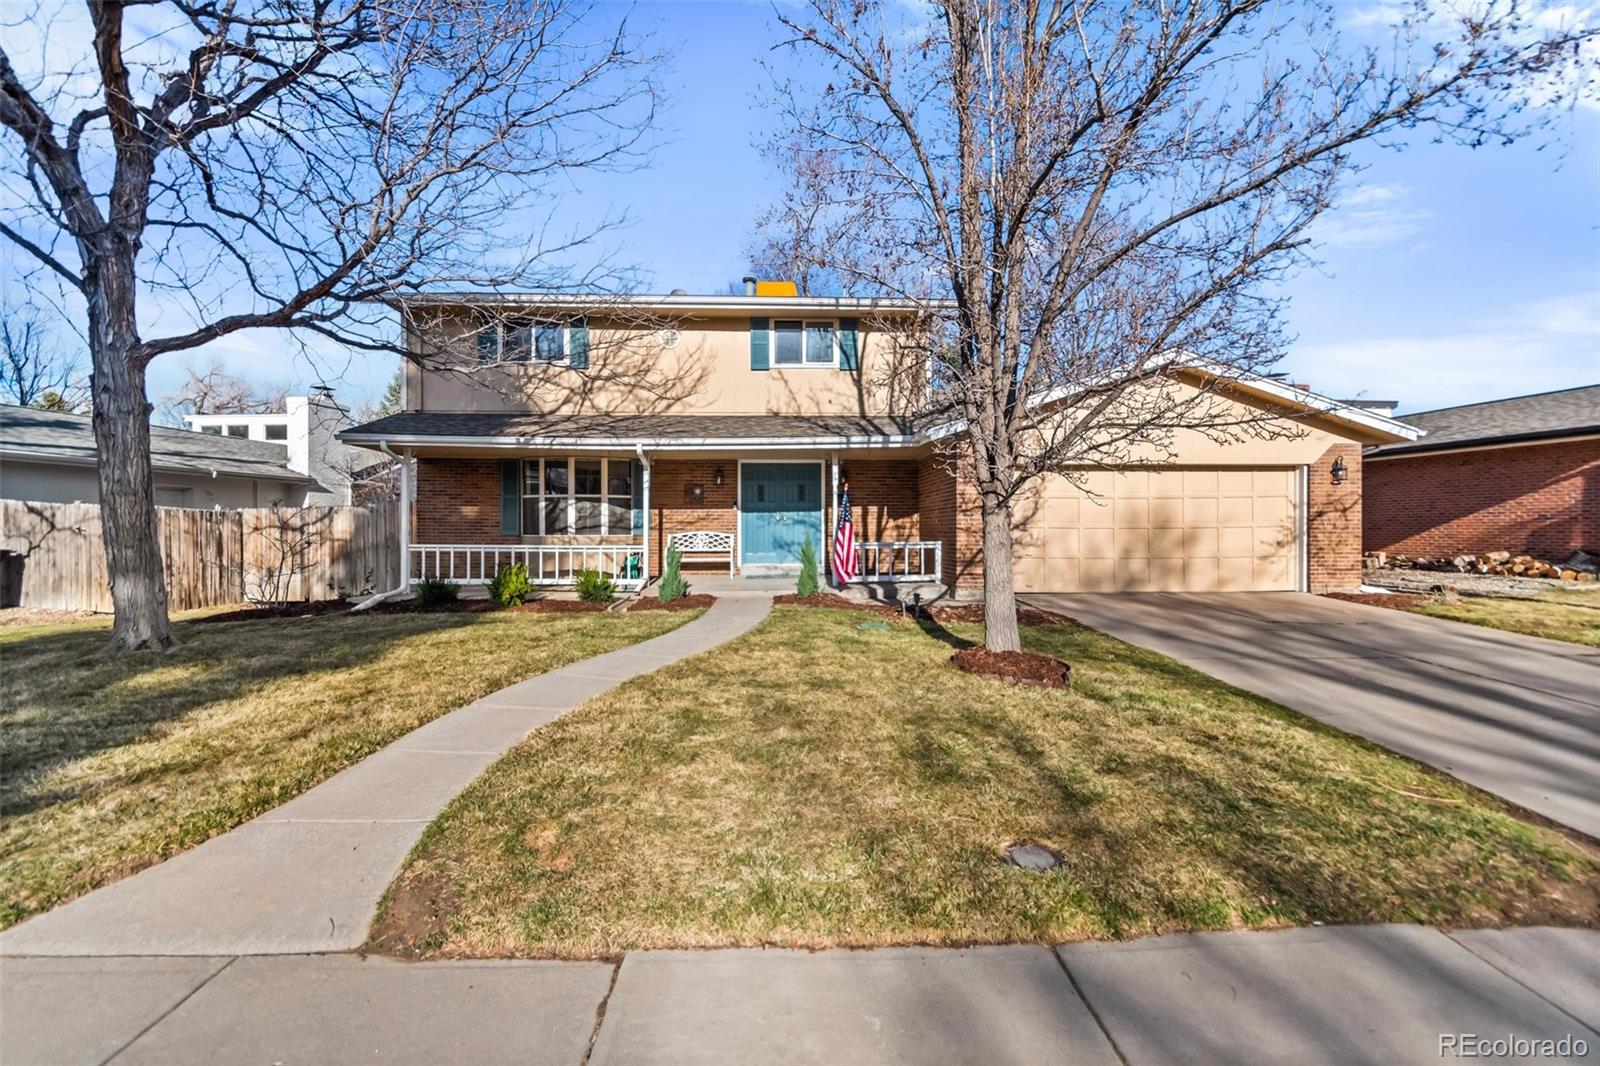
(584, 432)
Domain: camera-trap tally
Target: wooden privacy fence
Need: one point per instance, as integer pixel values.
(212, 557)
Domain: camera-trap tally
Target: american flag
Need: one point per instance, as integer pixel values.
(844, 543)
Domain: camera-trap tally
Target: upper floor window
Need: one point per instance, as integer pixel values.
(799, 342)
(215, 431)
(523, 342)
(239, 431)
(276, 432)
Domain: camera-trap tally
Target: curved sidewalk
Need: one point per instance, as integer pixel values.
(306, 877)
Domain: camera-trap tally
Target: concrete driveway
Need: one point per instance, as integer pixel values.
(1517, 716)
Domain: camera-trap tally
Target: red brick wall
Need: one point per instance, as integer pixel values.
(1333, 521)
(458, 502)
(1538, 499)
(884, 497)
(951, 515)
(673, 508)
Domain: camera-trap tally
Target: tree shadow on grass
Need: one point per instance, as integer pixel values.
(82, 703)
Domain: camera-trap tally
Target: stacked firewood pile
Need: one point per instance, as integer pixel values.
(1580, 566)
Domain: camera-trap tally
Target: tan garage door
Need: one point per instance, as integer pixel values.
(1180, 530)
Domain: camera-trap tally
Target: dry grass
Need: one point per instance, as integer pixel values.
(112, 764)
(1572, 615)
(815, 783)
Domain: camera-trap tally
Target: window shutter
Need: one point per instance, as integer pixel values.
(849, 346)
(511, 496)
(488, 342)
(636, 475)
(578, 345)
(760, 344)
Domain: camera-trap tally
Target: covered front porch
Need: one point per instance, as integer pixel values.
(737, 515)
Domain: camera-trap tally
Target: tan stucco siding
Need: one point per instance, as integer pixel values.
(631, 371)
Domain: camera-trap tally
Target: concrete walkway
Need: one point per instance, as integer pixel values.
(307, 876)
(1515, 715)
(1378, 994)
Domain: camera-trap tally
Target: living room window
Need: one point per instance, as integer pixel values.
(804, 342)
(586, 497)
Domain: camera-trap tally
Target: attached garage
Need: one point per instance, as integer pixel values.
(1185, 529)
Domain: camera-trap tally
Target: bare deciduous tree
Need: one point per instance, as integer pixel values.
(35, 370)
(1085, 193)
(791, 239)
(215, 391)
(293, 164)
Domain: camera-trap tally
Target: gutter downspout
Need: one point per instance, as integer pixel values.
(404, 463)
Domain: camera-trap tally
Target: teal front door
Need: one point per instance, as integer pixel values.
(780, 505)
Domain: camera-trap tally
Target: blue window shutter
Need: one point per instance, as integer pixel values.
(636, 475)
(760, 344)
(511, 496)
(849, 346)
(488, 342)
(578, 345)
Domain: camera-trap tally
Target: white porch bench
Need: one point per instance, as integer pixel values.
(704, 544)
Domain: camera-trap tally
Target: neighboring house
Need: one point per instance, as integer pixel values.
(1519, 475)
(50, 457)
(307, 429)
(578, 432)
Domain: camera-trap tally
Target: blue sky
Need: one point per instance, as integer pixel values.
(1449, 275)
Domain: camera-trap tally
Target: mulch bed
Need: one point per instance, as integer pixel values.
(828, 599)
(1399, 601)
(445, 607)
(561, 607)
(973, 612)
(289, 610)
(1018, 667)
(683, 603)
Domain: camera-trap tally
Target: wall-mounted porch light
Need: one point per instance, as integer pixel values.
(1340, 471)
(717, 477)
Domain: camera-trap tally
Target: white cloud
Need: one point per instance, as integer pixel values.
(1550, 344)
(1369, 216)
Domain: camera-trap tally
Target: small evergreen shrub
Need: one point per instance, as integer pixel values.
(431, 590)
(595, 587)
(511, 587)
(807, 583)
(672, 586)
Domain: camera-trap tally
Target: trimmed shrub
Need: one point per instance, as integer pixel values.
(510, 587)
(672, 586)
(595, 587)
(807, 583)
(431, 590)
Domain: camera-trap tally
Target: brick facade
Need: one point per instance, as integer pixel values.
(458, 502)
(1333, 522)
(673, 508)
(1536, 499)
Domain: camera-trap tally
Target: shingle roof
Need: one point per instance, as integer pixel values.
(1542, 416)
(55, 437)
(629, 429)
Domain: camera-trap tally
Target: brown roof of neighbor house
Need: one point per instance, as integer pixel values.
(1541, 416)
(629, 429)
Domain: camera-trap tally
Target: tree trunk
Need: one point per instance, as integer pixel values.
(1000, 631)
(122, 436)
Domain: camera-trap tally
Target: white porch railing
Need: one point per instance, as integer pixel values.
(898, 560)
(547, 564)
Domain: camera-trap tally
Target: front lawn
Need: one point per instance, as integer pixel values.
(826, 780)
(1572, 615)
(111, 764)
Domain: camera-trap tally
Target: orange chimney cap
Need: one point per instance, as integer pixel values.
(777, 288)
